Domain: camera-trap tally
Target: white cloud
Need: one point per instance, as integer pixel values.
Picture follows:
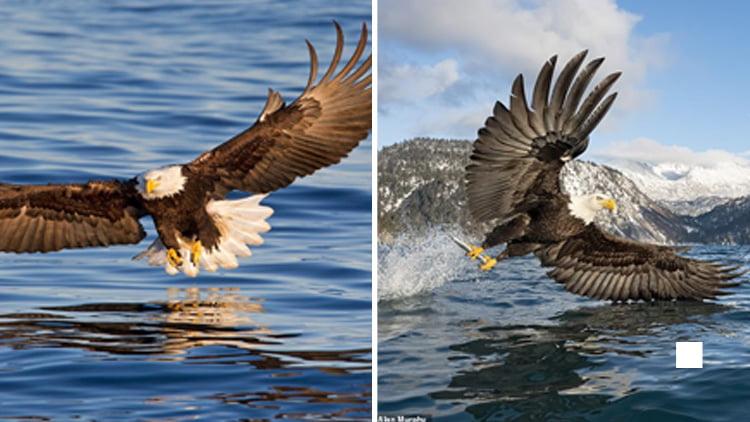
(453, 121)
(651, 151)
(492, 40)
(408, 83)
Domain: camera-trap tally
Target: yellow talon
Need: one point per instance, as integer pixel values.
(475, 252)
(173, 258)
(488, 264)
(196, 252)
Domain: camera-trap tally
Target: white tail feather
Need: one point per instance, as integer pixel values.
(240, 223)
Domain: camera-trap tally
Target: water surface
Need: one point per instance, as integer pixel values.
(109, 89)
(458, 344)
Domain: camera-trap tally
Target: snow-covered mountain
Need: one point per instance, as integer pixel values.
(683, 184)
(726, 224)
(638, 216)
(420, 185)
(695, 207)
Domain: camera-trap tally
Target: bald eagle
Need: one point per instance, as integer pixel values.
(198, 227)
(513, 180)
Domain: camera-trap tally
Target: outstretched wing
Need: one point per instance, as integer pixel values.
(53, 217)
(603, 266)
(519, 152)
(329, 119)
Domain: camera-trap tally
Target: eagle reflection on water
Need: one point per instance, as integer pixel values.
(537, 369)
(189, 319)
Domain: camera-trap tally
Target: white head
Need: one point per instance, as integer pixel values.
(585, 207)
(161, 183)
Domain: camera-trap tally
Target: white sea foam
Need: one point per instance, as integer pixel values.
(419, 264)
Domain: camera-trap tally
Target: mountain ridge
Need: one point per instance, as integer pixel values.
(421, 186)
(680, 182)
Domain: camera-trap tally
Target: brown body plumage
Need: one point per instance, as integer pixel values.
(514, 179)
(318, 129)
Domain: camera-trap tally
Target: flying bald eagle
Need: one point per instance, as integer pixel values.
(197, 227)
(513, 179)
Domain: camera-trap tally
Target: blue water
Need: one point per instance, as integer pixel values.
(109, 89)
(457, 344)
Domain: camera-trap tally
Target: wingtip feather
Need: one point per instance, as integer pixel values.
(313, 64)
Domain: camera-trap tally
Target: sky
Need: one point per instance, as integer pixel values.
(683, 96)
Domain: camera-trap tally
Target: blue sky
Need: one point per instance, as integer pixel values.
(685, 87)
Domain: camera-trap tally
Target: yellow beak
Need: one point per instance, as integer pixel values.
(151, 185)
(609, 204)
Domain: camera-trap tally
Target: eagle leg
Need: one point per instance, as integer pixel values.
(475, 252)
(489, 263)
(174, 258)
(196, 252)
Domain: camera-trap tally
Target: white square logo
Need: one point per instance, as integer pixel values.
(689, 354)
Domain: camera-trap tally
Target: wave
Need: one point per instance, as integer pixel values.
(419, 264)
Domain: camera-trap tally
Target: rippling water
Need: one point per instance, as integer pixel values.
(458, 344)
(109, 89)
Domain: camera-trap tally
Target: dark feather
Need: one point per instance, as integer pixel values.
(519, 109)
(560, 91)
(579, 87)
(540, 96)
(274, 103)
(596, 117)
(53, 217)
(329, 119)
(634, 270)
(590, 103)
(521, 150)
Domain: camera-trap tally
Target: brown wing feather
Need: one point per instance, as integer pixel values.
(519, 152)
(53, 217)
(603, 266)
(318, 129)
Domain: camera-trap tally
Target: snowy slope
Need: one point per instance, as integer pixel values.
(681, 183)
(638, 216)
(726, 224)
